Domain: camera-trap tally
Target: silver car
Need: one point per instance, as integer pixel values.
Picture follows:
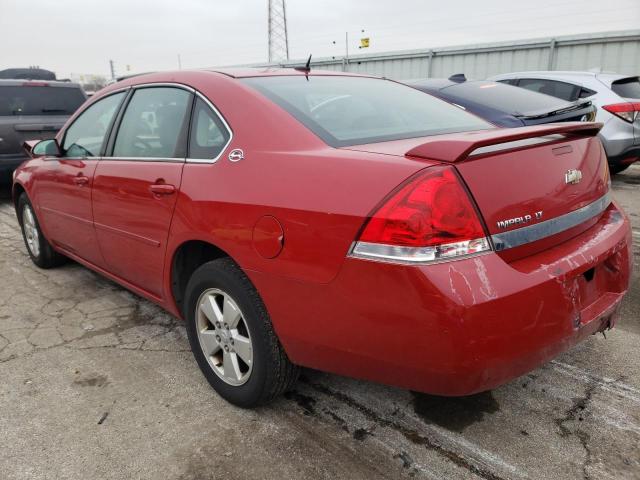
(616, 97)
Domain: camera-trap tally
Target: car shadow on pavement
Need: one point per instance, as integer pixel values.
(5, 194)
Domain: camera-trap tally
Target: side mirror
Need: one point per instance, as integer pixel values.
(43, 148)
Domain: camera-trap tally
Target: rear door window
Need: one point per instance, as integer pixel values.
(39, 100)
(627, 87)
(85, 136)
(563, 90)
(154, 124)
(209, 135)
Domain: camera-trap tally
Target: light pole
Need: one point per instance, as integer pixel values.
(345, 61)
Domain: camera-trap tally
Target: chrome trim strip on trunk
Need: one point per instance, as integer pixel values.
(532, 233)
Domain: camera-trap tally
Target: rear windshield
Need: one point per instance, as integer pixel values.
(345, 111)
(504, 98)
(627, 87)
(30, 100)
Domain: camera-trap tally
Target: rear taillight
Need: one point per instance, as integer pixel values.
(430, 218)
(627, 111)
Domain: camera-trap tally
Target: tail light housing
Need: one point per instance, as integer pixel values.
(431, 218)
(627, 111)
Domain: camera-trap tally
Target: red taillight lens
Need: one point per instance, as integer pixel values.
(628, 111)
(429, 218)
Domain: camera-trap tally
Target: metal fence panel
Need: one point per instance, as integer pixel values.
(612, 51)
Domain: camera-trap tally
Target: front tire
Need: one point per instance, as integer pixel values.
(232, 338)
(39, 248)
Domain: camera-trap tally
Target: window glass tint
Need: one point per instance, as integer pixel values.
(208, 134)
(585, 92)
(26, 100)
(351, 110)
(565, 91)
(504, 98)
(627, 87)
(85, 136)
(153, 124)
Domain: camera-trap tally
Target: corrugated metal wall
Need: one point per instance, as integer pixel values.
(614, 51)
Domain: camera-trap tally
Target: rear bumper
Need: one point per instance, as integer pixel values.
(460, 327)
(619, 142)
(626, 157)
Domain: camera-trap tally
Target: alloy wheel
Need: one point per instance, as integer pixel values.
(224, 336)
(31, 231)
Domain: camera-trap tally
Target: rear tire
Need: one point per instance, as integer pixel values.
(38, 247)
(254, 369)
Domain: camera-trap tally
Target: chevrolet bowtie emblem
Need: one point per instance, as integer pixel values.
(572, 177)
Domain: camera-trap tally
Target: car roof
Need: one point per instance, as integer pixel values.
(37, 83)
(230, 73)
(186, 77)
(246, 72)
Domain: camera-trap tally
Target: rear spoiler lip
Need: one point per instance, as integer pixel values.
(457, 148)
(573, 108)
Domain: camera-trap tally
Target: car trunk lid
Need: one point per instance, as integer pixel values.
(546, 183)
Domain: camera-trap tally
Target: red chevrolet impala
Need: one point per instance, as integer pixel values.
(344, 223)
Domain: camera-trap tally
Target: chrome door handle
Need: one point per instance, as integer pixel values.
(81, 180)
(162, 189)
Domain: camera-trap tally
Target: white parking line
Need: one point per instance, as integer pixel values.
(605, 383)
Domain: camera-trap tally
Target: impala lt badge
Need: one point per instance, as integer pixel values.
(519, 220)
(572, 177)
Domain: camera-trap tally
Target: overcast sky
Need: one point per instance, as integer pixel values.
(80, 36)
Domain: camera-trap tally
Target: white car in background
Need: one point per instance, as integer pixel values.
(616, 97)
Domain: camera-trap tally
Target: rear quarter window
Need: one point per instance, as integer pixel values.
(345, 111)
(39, 100)
(627, 87)
(565, 91)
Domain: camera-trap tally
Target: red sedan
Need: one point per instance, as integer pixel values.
(344, 223)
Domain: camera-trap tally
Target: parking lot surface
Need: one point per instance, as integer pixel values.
(98, 383)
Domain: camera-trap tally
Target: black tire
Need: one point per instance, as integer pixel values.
(272, 373)
(613, 169)
(46, 256)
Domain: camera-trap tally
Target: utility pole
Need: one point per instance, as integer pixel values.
(278, 40)
(346, 46)
(113, 71)
(179, 63)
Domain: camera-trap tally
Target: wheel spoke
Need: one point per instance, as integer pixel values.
(242, 346)
(209, 343)
(224, 336)
(211, 310)
(31, 231)
(230, 366)
(231, 313)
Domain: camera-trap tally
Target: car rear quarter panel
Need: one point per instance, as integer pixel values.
(320, 195)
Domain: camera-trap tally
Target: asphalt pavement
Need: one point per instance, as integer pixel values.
(98, 383)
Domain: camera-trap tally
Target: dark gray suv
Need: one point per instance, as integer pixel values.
(31, 109)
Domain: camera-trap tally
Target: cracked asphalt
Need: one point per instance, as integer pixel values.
(98, 383)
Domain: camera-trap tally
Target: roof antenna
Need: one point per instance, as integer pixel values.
(306, 68)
